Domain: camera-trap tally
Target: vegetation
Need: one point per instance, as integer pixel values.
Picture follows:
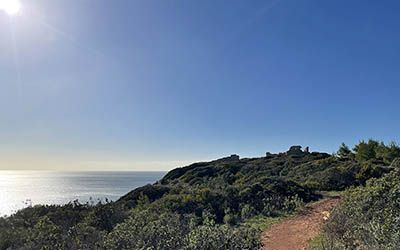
(368, 218)
(377, 151)
(222, 204)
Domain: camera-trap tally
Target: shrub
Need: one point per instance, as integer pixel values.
(369, 217)
(173, 231)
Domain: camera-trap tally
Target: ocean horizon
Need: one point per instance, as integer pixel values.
(20, 189)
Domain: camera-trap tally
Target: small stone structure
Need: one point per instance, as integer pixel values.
(295, 150)
(231, 158)
(234, 157)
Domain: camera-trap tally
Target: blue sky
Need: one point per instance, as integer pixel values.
(148, 85)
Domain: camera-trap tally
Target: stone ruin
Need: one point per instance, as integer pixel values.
(297, 151)
(231, 158)
(293, 150)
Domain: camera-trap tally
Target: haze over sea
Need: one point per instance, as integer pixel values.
(19, 189)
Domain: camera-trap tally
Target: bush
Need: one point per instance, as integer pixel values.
(173, 231)
(147, 230)
(369, 217)
(223, 237)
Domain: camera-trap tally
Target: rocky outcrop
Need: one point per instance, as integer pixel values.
(295, 150)
(230, 158)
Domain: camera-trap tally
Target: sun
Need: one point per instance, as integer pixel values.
(11, 7)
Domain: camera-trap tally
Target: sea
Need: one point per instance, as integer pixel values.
(20, 189)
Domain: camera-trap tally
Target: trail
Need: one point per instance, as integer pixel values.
(295, 233)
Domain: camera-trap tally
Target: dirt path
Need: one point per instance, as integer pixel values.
(296, 232)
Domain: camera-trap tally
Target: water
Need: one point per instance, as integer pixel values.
(19, 189)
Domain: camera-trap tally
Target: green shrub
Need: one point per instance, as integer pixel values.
(173, 231)
(369, 217)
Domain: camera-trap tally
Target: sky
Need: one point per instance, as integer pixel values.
(154, 85)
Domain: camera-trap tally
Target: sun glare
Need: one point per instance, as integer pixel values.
(11, 7)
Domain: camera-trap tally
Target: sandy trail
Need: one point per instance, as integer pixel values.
(295, 233)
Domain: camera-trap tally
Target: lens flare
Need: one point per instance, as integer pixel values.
(11, 7)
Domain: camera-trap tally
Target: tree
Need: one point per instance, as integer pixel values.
(344, 151)
(366, 150)
(388, 153)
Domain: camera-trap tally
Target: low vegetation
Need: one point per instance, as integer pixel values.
(369, 216)
(222, 204)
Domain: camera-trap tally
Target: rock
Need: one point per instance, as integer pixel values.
(295, 150)
(231, 158)
(234, 157)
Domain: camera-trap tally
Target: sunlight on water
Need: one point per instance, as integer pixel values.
(19, 189)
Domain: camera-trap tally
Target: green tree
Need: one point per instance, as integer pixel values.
(388, 153)
(344, 151)
(366, 150)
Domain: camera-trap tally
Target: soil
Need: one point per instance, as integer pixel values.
(296, 232)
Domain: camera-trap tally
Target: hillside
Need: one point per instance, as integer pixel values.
(207, 205)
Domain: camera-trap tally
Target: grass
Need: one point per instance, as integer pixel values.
(330, 194)
(262, 223)
(320, 242)
(316, 243)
